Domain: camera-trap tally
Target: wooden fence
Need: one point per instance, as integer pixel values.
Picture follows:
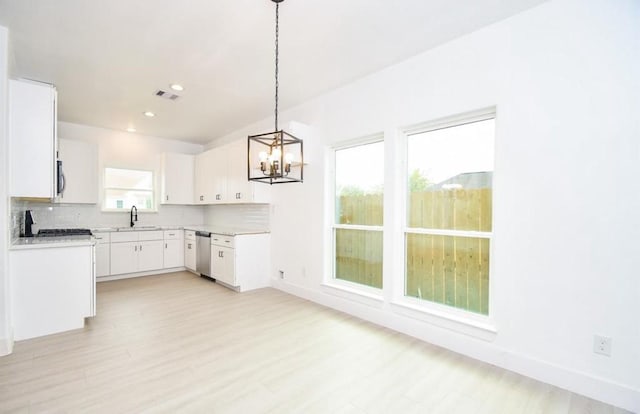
(359, 256)
(443, 269)
(450, 270)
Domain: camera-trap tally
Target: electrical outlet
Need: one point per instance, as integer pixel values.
(602, 345)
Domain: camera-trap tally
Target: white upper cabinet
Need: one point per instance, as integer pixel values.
(32, 139)
(177, 178)
(204, 183)
(220, 161)
(221, 177)
(80, 168)
(239, 188)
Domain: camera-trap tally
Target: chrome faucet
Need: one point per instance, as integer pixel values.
(134, 217)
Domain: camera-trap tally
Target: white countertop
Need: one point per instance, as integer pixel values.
(47, 242)
(69, 241)
(227, 231)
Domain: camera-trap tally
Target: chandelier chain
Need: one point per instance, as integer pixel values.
(276, 75)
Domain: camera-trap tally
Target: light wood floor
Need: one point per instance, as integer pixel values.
(179, 343)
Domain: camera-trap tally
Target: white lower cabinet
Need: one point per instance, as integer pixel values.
(150, 256)
(136, 251)
(173, 248)
(103, 252)
(241, 262)
(124, 257)
(223, 264)
(53, 289)
(190, 250)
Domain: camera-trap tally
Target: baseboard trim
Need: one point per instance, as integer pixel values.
(600, 389)
(6, 345)
(139, 274)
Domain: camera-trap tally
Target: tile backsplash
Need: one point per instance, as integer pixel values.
(53, 215)
(246, 216)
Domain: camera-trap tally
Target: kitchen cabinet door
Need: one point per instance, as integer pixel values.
(102, 260)
(219, 175)
(239, 188)
(103, 253)
(223, 264)
(150, 255)
(80, 167)
(204, 184)
(124, 257)
(190, 254)
(177, 178)
(173, 253)
(32, 137)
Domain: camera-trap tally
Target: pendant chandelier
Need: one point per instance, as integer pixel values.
(275, 157)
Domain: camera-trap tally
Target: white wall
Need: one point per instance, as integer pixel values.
(564, 79)
(6, 341)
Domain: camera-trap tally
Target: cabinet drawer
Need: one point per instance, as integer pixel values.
(124, 236)
(189, 235)
(222, 240)
(102, 238)
(150, 235)
(172, 234)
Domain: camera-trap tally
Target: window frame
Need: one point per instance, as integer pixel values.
(415, 306)
(330, 278)
(153, 191)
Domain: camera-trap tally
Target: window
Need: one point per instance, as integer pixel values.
(126, 188)
(449, 214)
(357, 229)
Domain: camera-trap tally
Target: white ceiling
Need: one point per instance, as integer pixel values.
(107, 58)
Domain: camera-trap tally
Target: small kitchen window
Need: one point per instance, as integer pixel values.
(125, 188)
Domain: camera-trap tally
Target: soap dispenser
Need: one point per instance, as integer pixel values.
(28, 222)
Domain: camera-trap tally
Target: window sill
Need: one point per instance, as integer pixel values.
(354, 294)
(479, 327)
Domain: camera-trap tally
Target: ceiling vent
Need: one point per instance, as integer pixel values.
(166, 95)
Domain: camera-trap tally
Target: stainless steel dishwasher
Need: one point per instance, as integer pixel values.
(203, 253)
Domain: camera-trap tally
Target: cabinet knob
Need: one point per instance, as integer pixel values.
(167, 197)
(140, 247)
(135, 248)
(165, 246)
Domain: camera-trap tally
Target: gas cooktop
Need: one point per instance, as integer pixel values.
(63, 232)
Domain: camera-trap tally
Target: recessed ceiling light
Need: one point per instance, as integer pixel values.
(149, 114)
(131, 130)
(177, 87)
